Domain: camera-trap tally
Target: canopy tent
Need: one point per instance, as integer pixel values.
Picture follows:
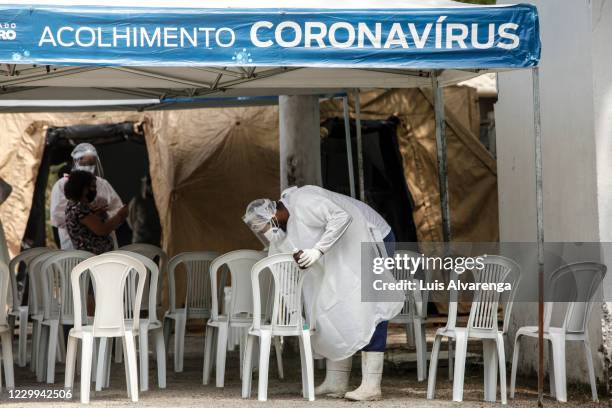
(146, 53)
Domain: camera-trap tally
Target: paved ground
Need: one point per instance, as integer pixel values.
(185, 389)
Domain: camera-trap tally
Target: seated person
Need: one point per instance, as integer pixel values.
(89, 227)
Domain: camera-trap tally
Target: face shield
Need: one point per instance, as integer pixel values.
(260, 216)
(85, 157)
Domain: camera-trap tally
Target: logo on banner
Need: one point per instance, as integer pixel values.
(8, 32)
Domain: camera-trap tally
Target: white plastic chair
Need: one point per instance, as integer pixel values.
(197, 303)
(585, 279)
(287, 319)
(482, 325)
(414, 314)
(238, 314)
(36, 304)
(57, 307)
(156, 254)
(5, 330)
(18, 314)
(109, 274)
(151, 325)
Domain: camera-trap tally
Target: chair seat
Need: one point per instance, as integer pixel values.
(84, 330)
(277, 331)
(532, 331)
(17, 312)
(151, 325)
(473, 333)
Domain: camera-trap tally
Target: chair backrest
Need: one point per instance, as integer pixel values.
(239, 263)
(4, 285)
(586, 279)
(56, 287)
(109, 273)
(149, 296)
(288, 279)
(24, 257)
(485, 303)
(197, 296)
(156, 254)
(416, 300)
(35, 284)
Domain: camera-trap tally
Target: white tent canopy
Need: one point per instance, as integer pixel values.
(99, 80)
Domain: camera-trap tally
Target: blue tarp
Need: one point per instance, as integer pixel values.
(473, 37)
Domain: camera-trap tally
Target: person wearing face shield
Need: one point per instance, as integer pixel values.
(318, 225)
(85, 158)
(89, 228)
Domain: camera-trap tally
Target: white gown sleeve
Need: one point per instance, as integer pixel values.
(110, 195)
(318, 211)
(57, 205)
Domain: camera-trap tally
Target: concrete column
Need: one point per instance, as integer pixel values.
(300, 141)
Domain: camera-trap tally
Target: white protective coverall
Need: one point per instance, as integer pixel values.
(322, 219)
(106, 196)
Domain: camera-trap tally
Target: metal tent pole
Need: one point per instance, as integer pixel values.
(438, 97)
(359, 146)
(537, 125)
(349, 145)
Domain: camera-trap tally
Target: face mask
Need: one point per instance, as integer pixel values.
(91, 195)
(275, 234)
(90, 169)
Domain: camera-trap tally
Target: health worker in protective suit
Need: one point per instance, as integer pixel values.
(85, 157)
(318, 225)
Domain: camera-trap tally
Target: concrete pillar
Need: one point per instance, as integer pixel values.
(300, 141)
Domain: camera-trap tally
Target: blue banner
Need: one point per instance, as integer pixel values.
(472, 37)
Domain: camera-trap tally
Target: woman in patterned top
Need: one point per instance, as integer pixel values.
(89, 227)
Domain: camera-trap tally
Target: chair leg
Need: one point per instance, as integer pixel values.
(247, 369)
(279, 357)
(451, 365)
(433, 368)
(86, 359)
(307, 366)
(264, 362)
(7, 358)
(179, 342)
(501, 355)
(167, 330)
(551, 372)
(51, 351)
(71, 354)
(101, 374)
(160, 351)
(460, 356)
(421, 349)
(558, 347)
(34, 346)
(23, 338)
(130, 356)
(208, 349)
(489, 351)
(118, 352)
(108, 360)
(592, 379)
(222, 333)
(61, 344)
(411, 335)
(44, 341)
(143, 354)
(515, 358)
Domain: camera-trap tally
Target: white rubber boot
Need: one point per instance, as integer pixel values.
(371, 374)
(336, 378)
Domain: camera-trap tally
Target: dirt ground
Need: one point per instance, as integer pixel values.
(400, 388)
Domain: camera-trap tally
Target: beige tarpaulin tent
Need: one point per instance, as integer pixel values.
(207, 164)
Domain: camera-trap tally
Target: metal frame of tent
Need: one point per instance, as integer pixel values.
(21, 77)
